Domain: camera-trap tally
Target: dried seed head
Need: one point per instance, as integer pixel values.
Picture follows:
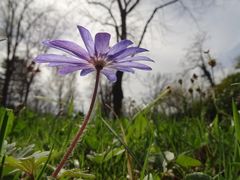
(206, 52)
(192, 80)
(195, 76)
(190, 90)
(29, 68)
(212, 62)
(198, 90)
(169, 89)
(180, 81)
(38, 70)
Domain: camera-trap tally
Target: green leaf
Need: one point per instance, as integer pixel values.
(26, 151)
(75, 173)
(15, 163)
(28, 164)
(148, 177)
(140, 126)
(187, 161)
(197, 176)
(114, 152)
(105, 156)
(92, 141)
(97, 158)
(215, 125)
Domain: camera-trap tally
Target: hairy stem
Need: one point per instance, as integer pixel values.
(80, 131)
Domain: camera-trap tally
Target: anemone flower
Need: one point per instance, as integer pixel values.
(98, 57)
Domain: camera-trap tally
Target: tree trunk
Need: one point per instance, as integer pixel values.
(117, 86)
(8, 74)
(118, 94)
(28, 88)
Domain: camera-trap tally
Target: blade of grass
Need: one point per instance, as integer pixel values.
(70, 107)
(145, 165)
(3, 129)
(236, 120)
(122, 142)
(129, 159)
(153, 103)
(45, 164)
(1, 167)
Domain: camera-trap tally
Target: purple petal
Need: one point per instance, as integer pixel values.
(131, 65)
(61, 64)
(102, 42)
(69, 47)
(127, 52)
(86, 71)
(110, 74)
(87, 39)
(123, 69)
(135, 58)
(119, 47)
(54, 58)
(70, 69)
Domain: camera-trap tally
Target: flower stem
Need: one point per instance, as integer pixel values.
(81, 129)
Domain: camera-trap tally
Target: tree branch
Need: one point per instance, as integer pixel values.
(152, 16)
(133, 6)
(120, 5)
(115, 25)
(19, 25)
(190, 13)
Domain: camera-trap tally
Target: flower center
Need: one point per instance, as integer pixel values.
(99, 64)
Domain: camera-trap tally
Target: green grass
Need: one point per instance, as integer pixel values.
(137, 147)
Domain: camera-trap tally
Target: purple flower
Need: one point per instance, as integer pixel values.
(99, 55)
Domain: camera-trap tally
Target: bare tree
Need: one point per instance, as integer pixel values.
(13, 13)
(2, 35)
(118, 19)
(61, 90)
(25, 25)
(157, 84)
(21, 80)
(199, 58)
(47, 27)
